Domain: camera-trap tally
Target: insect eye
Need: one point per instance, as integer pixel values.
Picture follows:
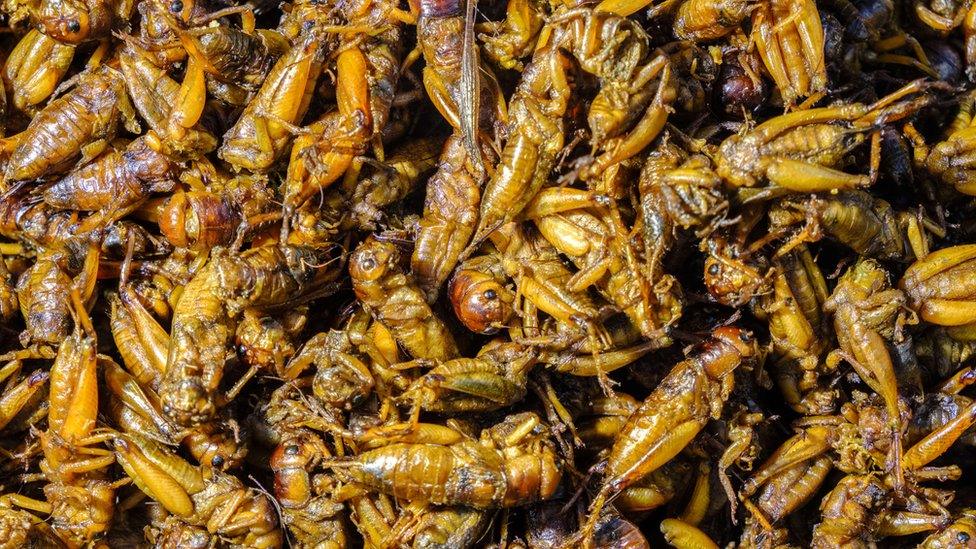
(491, 294)
(292, 449)
(217, 461)
(962, 537)
(369, 264)
(74, 26)
(746, 337)
(713, 269)
(176, 6)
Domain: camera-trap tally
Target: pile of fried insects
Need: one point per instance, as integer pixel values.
(524, 274)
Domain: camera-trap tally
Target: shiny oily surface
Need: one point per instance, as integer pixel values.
(510, 273)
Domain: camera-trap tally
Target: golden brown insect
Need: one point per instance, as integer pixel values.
(682, 535)
(144, 345)
(428, 526)
(342, 377)
(510, 41)
(790, 40)
(599, 426)
(170, 109)
(606, 259)
(450, 215)
(34, 69)
(43, 295)
(961, 533)
(44, 289)
(79, 495)
(260, 135)
(514, 463)
(859, 504)
(494, 379)
(76, 21)
(673, 414)
(625, 116)
(394, 299)
(310, 516)
(535, 138)
(375, 341)
(79, 124)
(113, 184)
(464, 91)
(705, 20)
(393, 179)
(789, 478)
(235, 61)
(480, 296)
(949, 159)
(676, 191)
(308, 511)
(801, 151)
(797, 328)
(867, 225)
(206, 316)
(200, 220)
(937, 287)
(865, 309)
(199, 497)
(367, 72)
(454, 192)
(22, 401)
